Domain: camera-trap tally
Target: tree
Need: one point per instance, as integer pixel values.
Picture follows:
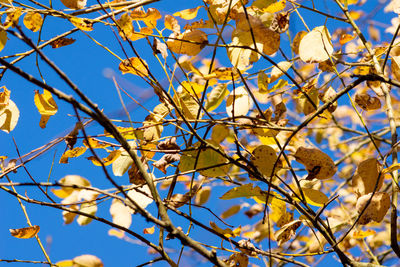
(271, 139)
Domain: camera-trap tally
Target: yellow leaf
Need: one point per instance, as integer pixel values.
(194, 41)
(82, 24)
(276, 71)
(208, 161)
(27, 232)
(46, 105)
(76, 152)
(318, 164)
(230, 212)
(391, 168)
(265, 158)
(88, 208)
(106, 161)
(203, 195)
(246, 191)
(275, 7)
(216, 96)
(13, 17)
(223, 74)
(365, 179)
(121, 214)
(125, 28)
(355, 15)
(192, 88)
(95, 143)
(33, 21)
(149, 18)
(172, 24)
(361, 234)
(127, 133)
(315, 197)
(116, 232)
(219, 133)
(65, 263)
(188, 14)
(9, 115)
(4, 97)
(226, 232)
(287, 232)
(149, 231)
(135, 66)
(345, 38)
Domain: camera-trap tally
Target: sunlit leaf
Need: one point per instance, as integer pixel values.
(265, 158)
(246, 191)
(203, 195)
(287, 232)
(72, 153)
(365, 180)
(13, 17)
(316, 45)
(149, 231)
(82, 24)
(315, 197)
(33, 21)
(9, 115)
(95, 143)
(187, 14)
(62, 42)
(141, 196)
(219, 133)
(226, 232)
(135, 66)
(193, 41)
(377, 208)
(172, 24)
(216, 96)
(120, 213)
(88, 208)
(27, 232)
(74, 4)
(106, 161)
(127, 133)
(208, 161)
(46, 105)
(238, 103)
(318, 164)
(149, 18)
(231, 211)
(359, 234)
(87, 261)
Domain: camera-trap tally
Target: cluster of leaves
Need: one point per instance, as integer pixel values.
(260, 124)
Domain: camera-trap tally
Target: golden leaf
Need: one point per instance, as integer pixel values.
(46, 105)
(62, 42)
(231, 211)
(9, 115)
(74, 4)
(316, 45)
(172, 24)
(377, 208)
(239, 102)
(365, 179)
(106, 161)
(33, 21)
(359, 234)
(188, 14)
(318, 164)
(12, 17)
(135, 66)
(265, 158)
(27, 232)
(76, 152)
(149, 231)
(95, 143)
(82, 24)
(149, 18)
(193, 41)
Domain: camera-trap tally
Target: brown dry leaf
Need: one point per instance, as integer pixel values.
(366, 176)
(135, 66)
(318, 164)
(62, 42)
(33, 21)
(231, 211)
(74, 4)
(238, 260)
(120, 213)
(87, 261)
(106, 161)
(27, 232)
(264, 158)
(359, 234)
(149, 231)
(172, 24)
(296, 41)
(12, 17)
(193, 41)
(72, 153)
(82, 24)
(46, 105)
(203, 195)
(178, 200)
(367, 102)
(316, 45)
(163, 163)
(188, 14)
(328, 96)
(152, 130)
(287, 232)
(377, 208)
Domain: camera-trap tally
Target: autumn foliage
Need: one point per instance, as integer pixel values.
(276, 118)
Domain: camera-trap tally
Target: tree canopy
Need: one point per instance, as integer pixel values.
(223, 132)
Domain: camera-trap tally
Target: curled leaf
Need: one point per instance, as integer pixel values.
(365, 179)
(377, 208)
(134, 65)
(46, 105)
(318, 164)
(27, 232)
